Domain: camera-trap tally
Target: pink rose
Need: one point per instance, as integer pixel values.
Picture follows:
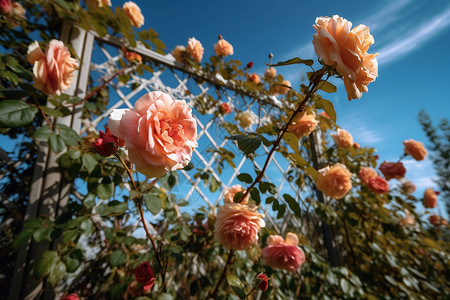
(134, 14)
(378, 185)
(303, 124)
(237, 226)
(392, 170)
(72, 296)
(334, 182)
(178, 53)
(346, 49)
(429, 198)
(195, 49)
(415, 149)
(52, 72)
(270, 73)
(5, 6)
(229, 193)
(283, 254)
(223, 48)
(342, 138)
(262, 282)
(144, 275)
(160, 133)
(366, 173)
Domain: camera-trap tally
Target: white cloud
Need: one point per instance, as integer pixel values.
(360, 128)
(421, 173)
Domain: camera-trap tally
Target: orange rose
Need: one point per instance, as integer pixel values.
(346, 49)
(366, 173)
(229, 193)
(335, 182)
(254, 78)
(134, 14)
(195, 49)
(270, 73)
(392, 170)
(378, 185)
(237, 226)
(133, 57)
(282, 88)
(52, 72)
(303, 124)
(429, 198)
(282, 254)
(178, 53)
(343, 138)
(223, 48)
(415, 149)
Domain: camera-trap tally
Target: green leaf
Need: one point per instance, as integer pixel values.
(51, 112)
(46, 263)
(247, 144)
(327, 106)
(299, 160)
(89, 162)
(117, 258)
(70, 235)
(57, 272)
(327, 86)
(296, 60)
(105, 190)
(56, 143)
(22, 237)
(254, 192)
(244, 177)
(43, 133)
(293, 205)
(164, 297)
(213, 184)
(292, 140)
(73, 261)
(236, 285)
(16, 113)
(281, 210)
(40, 234)
(153, 203)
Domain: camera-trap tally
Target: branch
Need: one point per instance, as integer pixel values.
(213, 295)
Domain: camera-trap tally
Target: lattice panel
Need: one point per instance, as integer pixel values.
(180, 84)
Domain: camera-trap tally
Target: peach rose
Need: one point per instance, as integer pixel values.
(378, 185)
(133, 57)
(246, 119)
(335, 182)
(415, 149)
(237, 226)
(195, 49)
(281, 254)
(97, 3)
(356, 145)
(254, 78)
(435, 220)
(392, 170)
(343, 138)
(270, 73)
(366, 173)
(223, 48)
(282, 88)
(409, 219)
(134, 14)
(160, 133)
(408, 186)
(178, 53)
(303, 124)
(229, 193)
(429, 198)
(52, 71)
(346, 49)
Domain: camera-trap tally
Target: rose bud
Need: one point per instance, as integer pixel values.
(133, 57)
(262, 282)
(72, 296)
(250, 65)
(5, 6)
(225, 108)
(107, 144)
(144, 275)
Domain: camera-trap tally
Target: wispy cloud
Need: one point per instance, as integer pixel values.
(414, 37)
(385, 16)
(362, 129)
(421, 173)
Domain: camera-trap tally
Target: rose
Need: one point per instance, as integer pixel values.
(366, 173)
(303, 124)
(270, 73)
(408, 186)
(5, 6)
(178, 53)
(223, 48)
(335, 181)
(107, 144)
(249, 65)
(160, 133)
(429, 198)
(53, 72)
(415, 149)
(342, 138)
(144, 275)
(133, 57)
(254, 78)
(229, 193)
(408, 220)
(72, 296)
(392, 170)
(97, 3)
(346, 50)
(225, 108)
(16, 14)
(378, 185)
(133, 13)
(435, 220)
(237, 226)
(262, 282)
(195, 49)
(282, 88)
(356, 145)
(246, 119)
(283, 254)
(324, 114)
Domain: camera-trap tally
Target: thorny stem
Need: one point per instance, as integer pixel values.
(43, 114)
(312, 88)
(213, 295)
(141, 210)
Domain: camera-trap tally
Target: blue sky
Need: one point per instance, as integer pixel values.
(412, 37)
